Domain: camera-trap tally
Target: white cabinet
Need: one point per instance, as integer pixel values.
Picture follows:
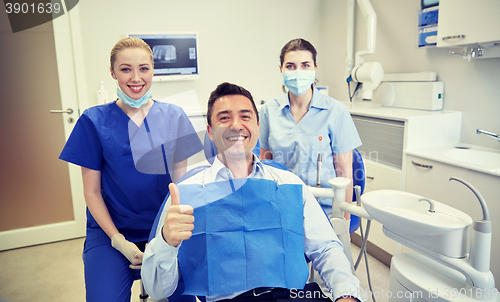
(380, 177)
(463, 22)
(430, 179)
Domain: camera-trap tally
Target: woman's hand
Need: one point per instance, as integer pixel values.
(98, 209)
(128, 249)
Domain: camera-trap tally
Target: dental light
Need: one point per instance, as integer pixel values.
(370, 74)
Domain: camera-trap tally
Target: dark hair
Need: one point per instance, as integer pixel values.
(297, 44)
(227, 89)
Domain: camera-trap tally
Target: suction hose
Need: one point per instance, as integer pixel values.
(484, 206)
(480, 248)
(364, 240)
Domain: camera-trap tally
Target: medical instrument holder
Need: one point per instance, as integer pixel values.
(351, 208)
(339, 206)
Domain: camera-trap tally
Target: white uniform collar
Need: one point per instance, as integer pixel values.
(317, 100)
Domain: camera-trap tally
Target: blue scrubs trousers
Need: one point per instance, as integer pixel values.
(108, 276)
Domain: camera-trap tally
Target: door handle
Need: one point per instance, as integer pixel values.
(421, 165)
(68, 111)
(453, 37)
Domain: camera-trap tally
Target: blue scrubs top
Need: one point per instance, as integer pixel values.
(101, 140)
(296, 145)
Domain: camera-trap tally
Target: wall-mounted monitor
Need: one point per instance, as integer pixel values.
(175, 54)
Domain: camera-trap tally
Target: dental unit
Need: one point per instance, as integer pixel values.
(440, 234)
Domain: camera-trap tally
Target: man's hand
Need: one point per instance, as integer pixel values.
(179, 220)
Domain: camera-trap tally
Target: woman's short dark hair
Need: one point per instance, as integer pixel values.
(295, 45)
(227, 89)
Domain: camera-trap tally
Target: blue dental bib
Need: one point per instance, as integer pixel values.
(248, 233)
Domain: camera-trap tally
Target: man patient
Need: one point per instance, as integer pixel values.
(243, 231)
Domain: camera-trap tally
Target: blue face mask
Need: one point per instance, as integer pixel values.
(299, 81)
(134, 103)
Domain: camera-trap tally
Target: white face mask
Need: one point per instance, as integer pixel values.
(299, 81)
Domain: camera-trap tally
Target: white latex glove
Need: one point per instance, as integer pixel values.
(128, 249)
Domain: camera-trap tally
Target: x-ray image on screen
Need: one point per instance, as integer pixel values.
(175, 55)
(164, 54)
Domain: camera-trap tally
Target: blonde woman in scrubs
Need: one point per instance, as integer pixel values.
(123, 193)
(302, 123)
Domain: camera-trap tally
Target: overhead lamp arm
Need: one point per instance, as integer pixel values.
(369, 74)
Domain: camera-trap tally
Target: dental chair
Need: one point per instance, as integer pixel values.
(358, 175)
(210, 152)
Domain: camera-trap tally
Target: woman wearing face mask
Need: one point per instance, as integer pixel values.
(129, 151)
(303, 123)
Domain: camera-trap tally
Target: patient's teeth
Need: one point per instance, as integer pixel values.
(236, 138)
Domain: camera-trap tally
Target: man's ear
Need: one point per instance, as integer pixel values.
(209, 130)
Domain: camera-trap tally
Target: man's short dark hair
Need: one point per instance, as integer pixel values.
(228, 89)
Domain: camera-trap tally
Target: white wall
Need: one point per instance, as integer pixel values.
(471, 87)
(239, 40)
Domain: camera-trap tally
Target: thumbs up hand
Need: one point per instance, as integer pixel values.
(178, 221)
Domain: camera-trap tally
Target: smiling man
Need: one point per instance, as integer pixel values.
(233, 125)
(241, 230)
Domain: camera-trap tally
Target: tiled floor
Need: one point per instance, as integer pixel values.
(54, 272)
